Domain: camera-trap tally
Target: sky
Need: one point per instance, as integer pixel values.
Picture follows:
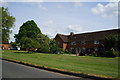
(64, 17)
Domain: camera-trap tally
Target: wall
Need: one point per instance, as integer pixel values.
(5, 46)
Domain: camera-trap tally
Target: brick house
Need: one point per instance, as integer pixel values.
(84, 42)
(4, 45)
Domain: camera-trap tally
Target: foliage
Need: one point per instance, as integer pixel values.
(29, 29)
(94, 54)
(65, 51)
(54, 48)
(44, 41)
(14, 44)
(27, 36)
(111, 53)
(29, 43)
(7, 23)
(44, 49)
(112, 42)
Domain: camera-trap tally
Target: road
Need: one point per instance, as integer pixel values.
(14, 70)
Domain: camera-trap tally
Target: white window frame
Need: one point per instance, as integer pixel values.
(71, 49)
(95, 48)
(72, 43)
(96, 42)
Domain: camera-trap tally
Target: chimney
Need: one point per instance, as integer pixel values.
(71, 33)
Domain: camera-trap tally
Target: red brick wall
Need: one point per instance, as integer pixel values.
(4, 46)
(64, 46)
(58, 40)
(89, 44)
(61, 44)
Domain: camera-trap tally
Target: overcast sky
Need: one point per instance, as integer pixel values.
(65, 17)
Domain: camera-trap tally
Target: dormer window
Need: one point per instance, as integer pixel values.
(96, 42)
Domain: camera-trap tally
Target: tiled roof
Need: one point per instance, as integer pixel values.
(64, 37)
(99, 35)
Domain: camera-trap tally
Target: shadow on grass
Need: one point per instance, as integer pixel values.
(24, 52)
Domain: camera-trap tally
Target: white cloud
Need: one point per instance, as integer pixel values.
(59, 6)
(42, 7)
(47, 23)
(50, 22)
(37, 4)
(108, 10)
(47, 28)
(50, 34)
(77, 4)
(61, 0)
(112, 0)
(23, 0)
(74, 28)
(0, 4)
(4, 4)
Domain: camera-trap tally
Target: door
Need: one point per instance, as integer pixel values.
(78, 50)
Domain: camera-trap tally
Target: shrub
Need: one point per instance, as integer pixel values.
(111, 53)
(44, 49)
(66, 51)
(94, 54)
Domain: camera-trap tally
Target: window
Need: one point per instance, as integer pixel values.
(71, 49)
(72, 43)
(58, 42)
(78, 50)
(96, 49)
(83, 42)
(96, 42)
(83, 49)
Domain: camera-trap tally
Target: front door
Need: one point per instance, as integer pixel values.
(78, 50)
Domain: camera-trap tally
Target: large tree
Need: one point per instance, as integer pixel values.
(27, 36)
(29, 29)
(44, 42)
(7, 22)
(54, 48)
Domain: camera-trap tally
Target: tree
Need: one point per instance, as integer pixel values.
(29, 29)
(14, 44)
(27, 36)
(7, 23)
(29, 43)
(53, 46)
(112, 41)
(44, 43)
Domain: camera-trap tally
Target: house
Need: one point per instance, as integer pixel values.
(84, 42)
(4, 45)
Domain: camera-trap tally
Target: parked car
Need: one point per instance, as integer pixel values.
(13, 48)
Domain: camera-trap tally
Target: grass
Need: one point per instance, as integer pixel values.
(101, 66)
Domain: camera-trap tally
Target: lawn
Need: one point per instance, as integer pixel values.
(101, 66)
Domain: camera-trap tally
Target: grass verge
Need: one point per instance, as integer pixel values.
(98, 66)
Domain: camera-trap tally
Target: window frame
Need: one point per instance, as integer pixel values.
(96, 42)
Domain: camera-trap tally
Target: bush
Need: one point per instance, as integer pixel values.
(111, 53)
(44, 49)
(94, 54)
(66, 51)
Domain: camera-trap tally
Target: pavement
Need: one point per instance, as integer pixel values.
(15, 70)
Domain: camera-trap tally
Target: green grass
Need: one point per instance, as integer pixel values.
(101, 66)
